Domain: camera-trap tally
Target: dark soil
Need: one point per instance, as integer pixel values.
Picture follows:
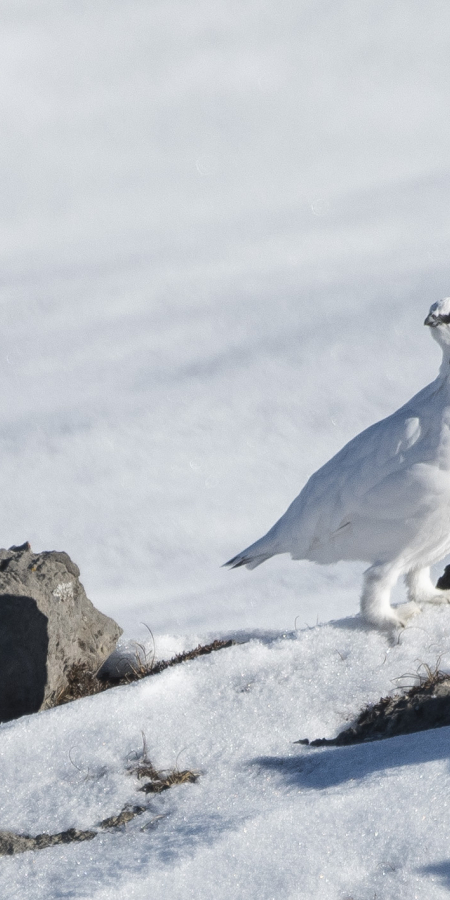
(159, 780)
(163, 781)
(11, 843)
(424, 706)
(84, 683)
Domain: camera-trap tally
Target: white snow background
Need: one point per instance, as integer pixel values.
(221, 227)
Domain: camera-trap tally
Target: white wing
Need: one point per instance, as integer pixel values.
(371, 480)
(369, 501)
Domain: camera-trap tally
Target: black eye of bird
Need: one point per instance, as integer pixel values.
(445, 319)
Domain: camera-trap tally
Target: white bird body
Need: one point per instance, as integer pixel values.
(383, 499)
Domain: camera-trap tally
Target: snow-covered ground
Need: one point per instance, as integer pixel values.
(221, 227)
(267, 818)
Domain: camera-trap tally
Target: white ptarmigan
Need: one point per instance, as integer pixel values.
(383, 499)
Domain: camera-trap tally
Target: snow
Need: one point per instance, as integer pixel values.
(196, 199)
(267, 817)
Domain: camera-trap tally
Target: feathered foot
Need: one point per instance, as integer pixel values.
(375, 600)
(422, 590)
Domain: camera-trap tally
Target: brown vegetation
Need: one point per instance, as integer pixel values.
(84, 683)
(425, 705)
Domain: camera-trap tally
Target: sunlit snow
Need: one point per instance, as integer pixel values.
(221, 226)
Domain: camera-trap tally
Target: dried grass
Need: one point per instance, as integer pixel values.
(159, 780)
(12, 842)
(81, 682)
(424, 706)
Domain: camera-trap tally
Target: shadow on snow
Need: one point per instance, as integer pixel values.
(318, 769)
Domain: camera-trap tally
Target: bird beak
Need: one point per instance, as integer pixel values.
(432, 320)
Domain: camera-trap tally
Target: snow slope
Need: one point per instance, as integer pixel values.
(267, 818)
(209, 214)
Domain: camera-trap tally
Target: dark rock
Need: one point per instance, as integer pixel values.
(47, 625)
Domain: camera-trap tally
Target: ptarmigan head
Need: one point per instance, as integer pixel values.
(439, 320)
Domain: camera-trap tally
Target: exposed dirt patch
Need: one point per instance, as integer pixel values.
(84, 683)
(160, 780)
(424, 706)
(11, 843)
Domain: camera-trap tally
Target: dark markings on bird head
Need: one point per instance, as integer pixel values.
(435, 319)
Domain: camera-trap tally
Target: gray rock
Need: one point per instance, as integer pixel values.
(47, 625)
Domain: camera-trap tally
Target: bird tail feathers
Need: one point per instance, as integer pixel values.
(242, 559)
(252, 556)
